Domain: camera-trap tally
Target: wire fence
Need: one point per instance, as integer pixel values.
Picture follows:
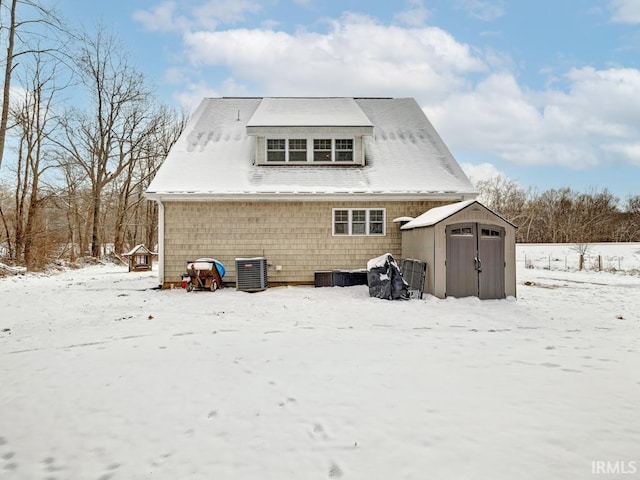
(614, 257)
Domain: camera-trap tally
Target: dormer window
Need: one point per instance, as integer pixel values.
(325, 150)
(344, 150)
(276, 151)
(322, 150)
(283, 150)
(297, 150)
(330, 150)
(311, 131)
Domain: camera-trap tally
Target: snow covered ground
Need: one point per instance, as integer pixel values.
(104, 377)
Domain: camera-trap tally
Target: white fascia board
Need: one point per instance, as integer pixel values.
(311, 130)
(310, 197)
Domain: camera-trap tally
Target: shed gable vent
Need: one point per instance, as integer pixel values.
(251, 274)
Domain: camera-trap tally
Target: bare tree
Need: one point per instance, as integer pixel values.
(506, 197)
(559, 215)
(8, 250)
(628, 227)
(20, 32)
(596, 213)
(100, 139)
(35, 122)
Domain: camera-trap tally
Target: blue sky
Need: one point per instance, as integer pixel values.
(544, 92)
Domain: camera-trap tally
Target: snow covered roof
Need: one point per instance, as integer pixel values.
(438, 214)
(214, 156)
(140, 248)
(308, 112)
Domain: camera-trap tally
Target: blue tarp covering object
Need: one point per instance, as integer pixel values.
(207, 264)
(385, 280)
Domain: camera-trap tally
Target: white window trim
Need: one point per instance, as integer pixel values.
(310, 149)
(367, 222)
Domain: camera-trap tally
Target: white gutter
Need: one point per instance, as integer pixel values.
(308, 197)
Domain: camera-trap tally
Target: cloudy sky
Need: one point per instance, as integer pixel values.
(546, 92)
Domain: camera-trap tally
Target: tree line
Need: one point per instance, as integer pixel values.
(81, 136)
(563, 215)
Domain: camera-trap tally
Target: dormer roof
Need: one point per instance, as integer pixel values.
(308, 112)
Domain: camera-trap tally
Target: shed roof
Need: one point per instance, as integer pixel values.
(140, 248)
(214, 156)
(438, 214)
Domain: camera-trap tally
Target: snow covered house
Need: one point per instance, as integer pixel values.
(309, 184)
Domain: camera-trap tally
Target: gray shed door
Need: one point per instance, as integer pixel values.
(475, 260)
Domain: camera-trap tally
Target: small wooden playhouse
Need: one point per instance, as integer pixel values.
(468, 248)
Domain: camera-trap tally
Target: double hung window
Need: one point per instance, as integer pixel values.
(322, 150)
(276, 151)
(344, 150)
(330, 150)
(297, 149)
(325, 150)
(358, 221)
(283, 150)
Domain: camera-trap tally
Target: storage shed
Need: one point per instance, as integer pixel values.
(469, 250)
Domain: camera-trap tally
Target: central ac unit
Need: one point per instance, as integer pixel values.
(251, 274)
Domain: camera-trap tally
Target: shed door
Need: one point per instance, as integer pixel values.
(475, 261)
(462, 247)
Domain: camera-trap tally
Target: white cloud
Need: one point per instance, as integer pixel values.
(629, 150)
(185, 15)
(161, 18)
(593, 122)
(415, 15)
(485, 10)
(625, 11)
(482, 171)
(193, 93)
(357, 56)
(225, 11)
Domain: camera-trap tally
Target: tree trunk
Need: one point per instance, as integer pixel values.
(8, 235)
(8, 68)
(29, 230)
(95, 227)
